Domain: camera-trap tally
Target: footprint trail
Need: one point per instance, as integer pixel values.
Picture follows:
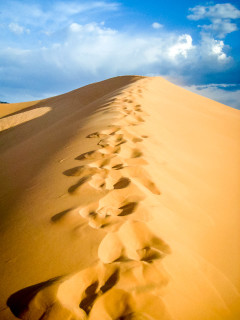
(126, 281)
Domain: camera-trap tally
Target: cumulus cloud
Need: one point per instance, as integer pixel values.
(183, 45)
(220, 16)
(157, 25)
(215, 48)
(91, 52)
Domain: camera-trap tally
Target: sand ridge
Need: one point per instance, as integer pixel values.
(134, 189)
(129, 269)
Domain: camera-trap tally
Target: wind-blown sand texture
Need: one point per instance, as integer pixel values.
(120, 200)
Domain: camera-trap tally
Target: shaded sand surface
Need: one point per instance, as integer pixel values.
(120, 200)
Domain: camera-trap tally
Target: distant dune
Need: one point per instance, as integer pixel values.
(120, 200)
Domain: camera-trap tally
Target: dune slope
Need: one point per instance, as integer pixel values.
(120, 200)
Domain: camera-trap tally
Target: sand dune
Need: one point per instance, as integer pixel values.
(120, 200)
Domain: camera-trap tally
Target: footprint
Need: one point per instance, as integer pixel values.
(133, 138)
(84, 288)
(111, 178)
(78, 171)
(80, 292)
(127, 152)
(95, 135)
(111, 281)
(116, 163)
(116, 140)
(93, 291)
(113, 141)
(137, 107)
(136, 153)
(130, 297)
(76, 186)
(138, 118)
(35, 300)
(115, 304)
(133, 120)
(103, 143)
(133, 241)
(130, 137)
(141, 175)
(128, 208)
(122, 183)
(118, 166)
(124, 122)
(87, 155)
(111, 130)
(95, 154)
(120, 304)
(91, 295)
(100, 164)
(116, 202)
(126, 111)
(110, 291)
(128, 174)
(96, 220)
(59, 216)
(109, 150)
(100, 219)
(123, 117)
(98, 180)
(136, 139)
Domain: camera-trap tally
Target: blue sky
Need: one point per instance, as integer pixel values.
(51, 47)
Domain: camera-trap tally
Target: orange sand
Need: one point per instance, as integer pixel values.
(120, 200)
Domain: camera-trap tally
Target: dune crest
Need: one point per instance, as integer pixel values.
(126, 207)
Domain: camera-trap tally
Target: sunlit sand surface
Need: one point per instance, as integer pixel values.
(120, 200)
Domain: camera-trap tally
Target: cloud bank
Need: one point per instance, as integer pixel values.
(64, 54)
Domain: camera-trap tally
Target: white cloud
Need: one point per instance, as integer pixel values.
(90, 28)
(54, 15)
(157, 25)
(220, 16)
(215, 48)
(73, 8)
(220, 27)
(93, 51)
(217, 11)
(75, 27)
(65, 53)
(183, 45)
(16, 28)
